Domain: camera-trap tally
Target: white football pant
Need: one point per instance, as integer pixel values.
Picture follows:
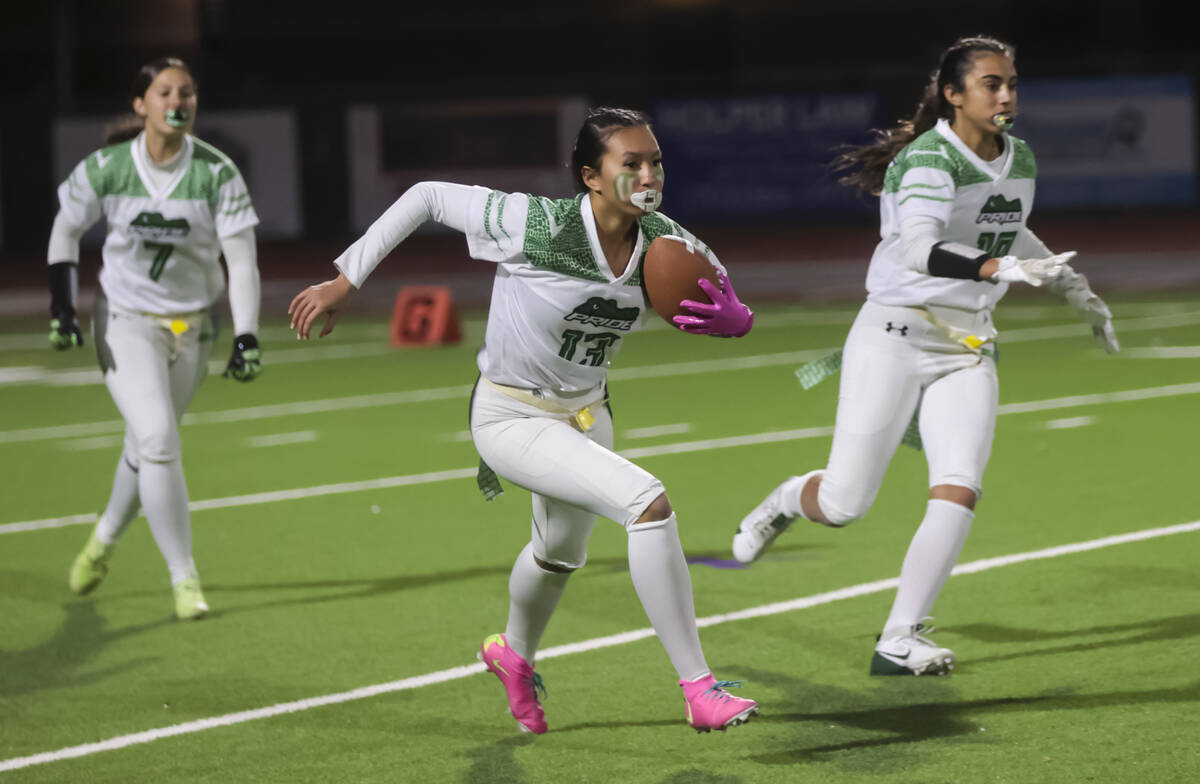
(896, 360)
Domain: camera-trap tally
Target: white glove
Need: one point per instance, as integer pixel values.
(1081, 297)
(1035, 272)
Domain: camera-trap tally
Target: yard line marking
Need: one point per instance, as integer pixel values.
(653, 371)
(570, 649)
(1069, 422)
(1098, 398)
(96, 442)
(280, 439)
(1165, 321)
(648, 451)
(83, 376)
(380, 399)
(659, 430)
(36, 341)
(263, 498)
(1163, 352)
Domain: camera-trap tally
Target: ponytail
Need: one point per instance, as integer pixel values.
(122, 129)
(869, 162)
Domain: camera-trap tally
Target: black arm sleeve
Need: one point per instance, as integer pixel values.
(64, 283)
(955, 260)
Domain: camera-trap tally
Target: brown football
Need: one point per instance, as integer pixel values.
(669, 274)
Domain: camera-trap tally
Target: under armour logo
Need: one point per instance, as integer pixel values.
(902, 329)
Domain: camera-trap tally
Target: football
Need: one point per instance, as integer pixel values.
(669, 274)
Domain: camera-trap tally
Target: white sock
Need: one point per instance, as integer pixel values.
(533, 594)
(930, 558)
(122, 503)
(661, 579)
(165, 501)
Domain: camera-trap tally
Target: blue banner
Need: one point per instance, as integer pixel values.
(760, 158)
(1123, 141)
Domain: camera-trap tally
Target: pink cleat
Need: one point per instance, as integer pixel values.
(520, 681)
(710, 707)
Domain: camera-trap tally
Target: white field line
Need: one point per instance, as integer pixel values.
(282, 439)
(653, 371)
(1070, 422)
(84, 376)
(467, 670)
(1164, 352)
(90, 375)
(378, 400)
(36, 341)
(265, 498)
(648, 451)
(659, 430)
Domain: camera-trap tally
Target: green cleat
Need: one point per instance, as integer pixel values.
(90, 566)
(189, 600)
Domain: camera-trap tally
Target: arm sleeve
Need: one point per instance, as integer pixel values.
(923, 252)
(78, 209)
(241, 257)
(64, 240)
(233, 211)
(918, 235)
(477, 212)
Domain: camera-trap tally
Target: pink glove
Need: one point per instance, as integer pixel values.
(726, 317)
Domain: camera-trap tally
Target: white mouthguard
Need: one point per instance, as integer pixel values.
(646, 201)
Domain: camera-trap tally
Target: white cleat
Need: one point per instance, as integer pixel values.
(767, 521)
(911, 653)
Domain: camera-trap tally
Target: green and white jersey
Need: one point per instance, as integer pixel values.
(558, 315)
(162, 250)
(982, 205)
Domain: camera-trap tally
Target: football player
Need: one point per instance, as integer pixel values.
(173, 205)
(956, 191)
(566, 293)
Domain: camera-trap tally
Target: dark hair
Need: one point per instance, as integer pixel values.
(601, 123)
(129, 124)
(871, 160)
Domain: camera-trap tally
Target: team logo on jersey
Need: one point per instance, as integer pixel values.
(600, 312)
(152, 225)
(1000, 210)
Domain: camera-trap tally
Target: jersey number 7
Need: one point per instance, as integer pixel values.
(162, 252)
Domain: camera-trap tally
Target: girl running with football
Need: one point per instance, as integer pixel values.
(955, 194)
(173, 206)
(566, 293)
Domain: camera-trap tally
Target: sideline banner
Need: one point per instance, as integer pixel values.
(513, 146)
(1121, 141)
(262, 143)
(764, 157)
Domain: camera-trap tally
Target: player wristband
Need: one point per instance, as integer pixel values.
(63, 285)
(955, 260)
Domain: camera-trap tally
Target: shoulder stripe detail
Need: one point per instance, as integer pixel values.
(487, 217)
(922, 196)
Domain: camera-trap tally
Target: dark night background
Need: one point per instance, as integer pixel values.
(71, 57)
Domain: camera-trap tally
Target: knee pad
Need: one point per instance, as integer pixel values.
(839, 506)
(159, 446)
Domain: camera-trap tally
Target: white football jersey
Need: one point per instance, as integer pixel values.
(938, 176)
(558, 315)
(162, 250)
